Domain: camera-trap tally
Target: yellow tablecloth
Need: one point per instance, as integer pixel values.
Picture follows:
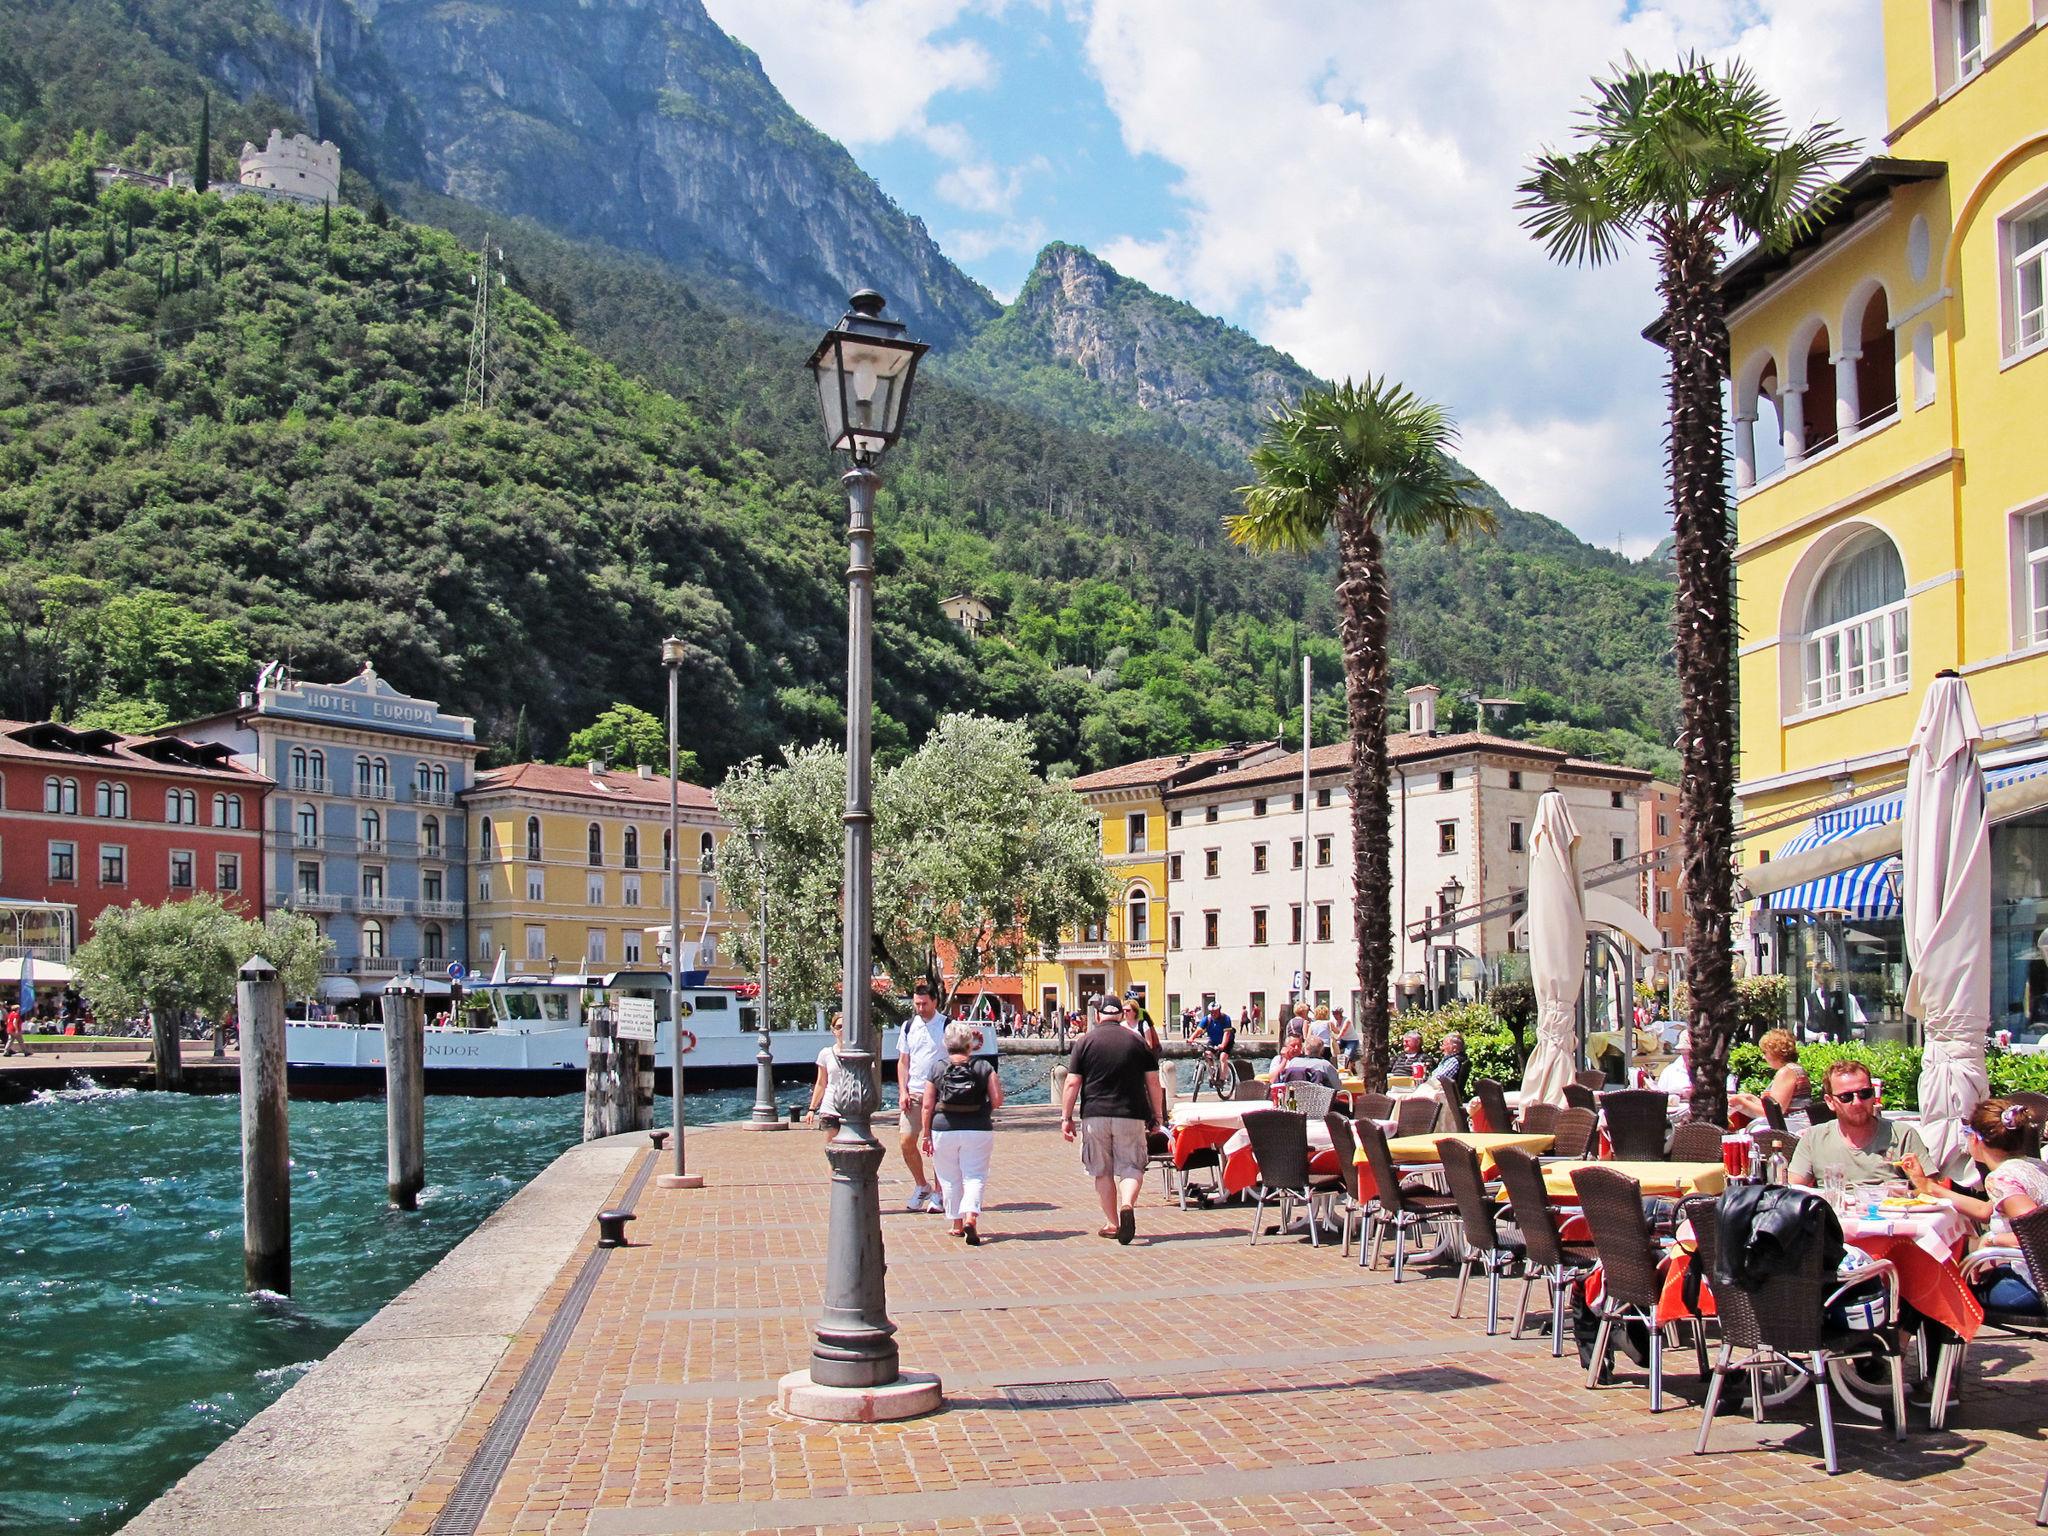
(1669, 1179)
(1411, 1150)
(1351, 1084)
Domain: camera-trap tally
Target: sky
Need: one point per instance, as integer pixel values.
(1336, 177)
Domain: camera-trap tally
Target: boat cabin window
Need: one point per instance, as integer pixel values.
(554, 1007)
(710, 1002)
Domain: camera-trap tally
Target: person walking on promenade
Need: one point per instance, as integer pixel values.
(12, 1032)
(920, 1050)
(960, 1102)
(820, 1112)
(1113, 1081)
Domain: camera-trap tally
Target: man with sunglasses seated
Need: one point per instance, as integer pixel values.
(1860, 1143)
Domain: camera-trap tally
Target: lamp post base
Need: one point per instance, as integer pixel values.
(911, 1395)
(679, 1181)
(764, 1125)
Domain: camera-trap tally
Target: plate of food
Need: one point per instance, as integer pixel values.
(1897, 1205)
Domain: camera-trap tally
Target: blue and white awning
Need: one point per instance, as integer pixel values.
(1863, 893)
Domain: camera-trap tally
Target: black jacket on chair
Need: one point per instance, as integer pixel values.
(1766, 1227)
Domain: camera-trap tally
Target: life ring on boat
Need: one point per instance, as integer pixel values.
(980, 1040)
(686, 1040)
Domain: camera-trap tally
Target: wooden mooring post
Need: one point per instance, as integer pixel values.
(405, 1093)
(618, 1080)
(266, 1136)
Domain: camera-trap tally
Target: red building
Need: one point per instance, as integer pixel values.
(94, 819)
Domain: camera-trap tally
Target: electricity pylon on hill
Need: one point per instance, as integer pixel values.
(476, 379)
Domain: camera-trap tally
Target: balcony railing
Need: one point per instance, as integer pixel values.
(432, 796)
(316, 901)
(367, 965)
(370, 845)
(310, 784)
(440, 908)
(370, 789)
(384, 906)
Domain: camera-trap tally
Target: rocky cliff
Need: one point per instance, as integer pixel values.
(635, 122)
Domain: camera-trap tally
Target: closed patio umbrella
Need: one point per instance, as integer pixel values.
(1557, 949)
(41, 973)
(1946, 897)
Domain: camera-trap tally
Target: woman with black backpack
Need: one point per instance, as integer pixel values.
(960, 1128)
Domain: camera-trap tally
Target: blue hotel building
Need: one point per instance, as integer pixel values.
(364, 832)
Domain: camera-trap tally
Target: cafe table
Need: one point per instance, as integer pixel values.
(1351, 1082)
(1671, 1180)
(1197, 1127)
(1420, 1151)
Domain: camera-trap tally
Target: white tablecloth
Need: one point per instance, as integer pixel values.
(1937, 1232)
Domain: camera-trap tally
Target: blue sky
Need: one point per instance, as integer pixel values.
(1336, 176)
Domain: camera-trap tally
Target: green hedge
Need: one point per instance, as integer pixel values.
(1898, 1066)
(1488, 1041)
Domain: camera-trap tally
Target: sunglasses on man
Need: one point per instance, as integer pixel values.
(1854, 1095)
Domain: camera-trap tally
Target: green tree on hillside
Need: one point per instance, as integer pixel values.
(1687, 158)
(202, 147)
(626, 736)
(1362, 461)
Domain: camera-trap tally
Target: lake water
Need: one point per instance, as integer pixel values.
(128, 1349)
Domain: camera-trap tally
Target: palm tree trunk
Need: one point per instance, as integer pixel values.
(1703, 625)
(1364, 615)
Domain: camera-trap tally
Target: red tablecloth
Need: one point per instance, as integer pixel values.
(1933, 1287)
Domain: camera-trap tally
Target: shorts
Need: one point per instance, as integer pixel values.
(910, 1114)
(1113, 1146)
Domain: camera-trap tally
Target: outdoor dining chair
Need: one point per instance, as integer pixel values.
(1774, 1113)
(1454, 1114)
(1485, 1248)
(1373, 1106)
(1352, 1206)
(1279, 1139)
(1572, 1138)
(1401, 1207)
(1696, 1141)
(1782, 1321)
(1637, 1121)
(1538, 1119)
(1550, 1258)
(1767, 1142)
(1493, 1103)
(1631, 1284)
(1415, 1116)
(1579, 1096)
(1311, 1100)
(2028, 1254)
(1591, 1081)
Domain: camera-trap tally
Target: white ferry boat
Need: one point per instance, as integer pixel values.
(538, 1040)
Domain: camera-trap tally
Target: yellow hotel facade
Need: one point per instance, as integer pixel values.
(1127, 952)
(1889, 383)
(571, 870)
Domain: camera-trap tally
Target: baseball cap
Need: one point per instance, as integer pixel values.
(1109, 1005)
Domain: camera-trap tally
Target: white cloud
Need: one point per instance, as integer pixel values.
(1348, 181)
(974, 242)
(866, 72)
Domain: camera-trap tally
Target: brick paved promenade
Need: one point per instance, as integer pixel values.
(1261, 1389)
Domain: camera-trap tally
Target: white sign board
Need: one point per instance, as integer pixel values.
(636, 1018)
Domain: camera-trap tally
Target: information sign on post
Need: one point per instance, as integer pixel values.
(636, 1018)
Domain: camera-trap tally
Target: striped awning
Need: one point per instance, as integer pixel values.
(1863, 893)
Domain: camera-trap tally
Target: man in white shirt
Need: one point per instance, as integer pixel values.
(920, 1047)
(1676, 1079)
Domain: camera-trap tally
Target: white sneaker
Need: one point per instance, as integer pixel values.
(920, 1200)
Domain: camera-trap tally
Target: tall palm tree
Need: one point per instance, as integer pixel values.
(1686, 159)
(1362, 460)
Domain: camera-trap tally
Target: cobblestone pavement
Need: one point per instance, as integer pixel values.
(1268, 1388)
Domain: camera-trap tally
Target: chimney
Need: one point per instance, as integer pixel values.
(596, 766)
(646, 772)
(1422, 709)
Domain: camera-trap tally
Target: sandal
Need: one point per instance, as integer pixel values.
(1106, 1232)
(973, 1235)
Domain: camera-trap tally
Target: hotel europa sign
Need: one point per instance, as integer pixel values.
(365, 701)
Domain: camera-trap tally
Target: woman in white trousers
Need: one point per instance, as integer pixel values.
(959, 1128)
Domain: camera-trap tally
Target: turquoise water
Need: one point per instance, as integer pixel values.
(128, 1349)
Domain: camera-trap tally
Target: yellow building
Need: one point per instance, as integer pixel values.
(1889, 385)
(1128, 951)
(571, 870)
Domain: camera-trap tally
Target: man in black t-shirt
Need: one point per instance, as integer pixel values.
(1113, 1080)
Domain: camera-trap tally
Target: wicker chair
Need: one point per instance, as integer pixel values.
(1767, 1142)
(1591, 1081)
(1774, 1113)
(1631, 1283)
(1538, 1119)
(1353, 1206)
(1394, 1204)
(1311, 1100)
(1454, 1117)
(1415, 1116)
(1485, 1248)
(1279, 1140)
(1696, 1141)
(1248, 1087)
(2028, 1252)
(1637, 1122)
(1493, 1103)
(1579, 1096)
(1549, 1256)
(1783, 1321)
(1372, 1106)
(1573, 1135)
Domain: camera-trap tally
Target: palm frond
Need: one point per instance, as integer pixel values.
(1569, 203)
(1800, 190)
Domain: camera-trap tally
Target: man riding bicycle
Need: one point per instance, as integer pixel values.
(1215, 1035)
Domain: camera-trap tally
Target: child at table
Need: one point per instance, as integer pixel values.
(1999, 1134)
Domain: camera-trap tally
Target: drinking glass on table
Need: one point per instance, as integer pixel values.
(1834, 1188)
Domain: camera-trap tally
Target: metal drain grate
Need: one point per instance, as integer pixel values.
(1070, 1394)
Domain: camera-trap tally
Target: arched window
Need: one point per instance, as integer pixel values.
(53, 796)
(1856, 636)
(440, 779)
(487, 845)
(1875, 378)
(110, 800)
(430, 834)
(380, 774)
(668, 860)
(596, 841)
(1757, 421)
(181, 807)
(707, 854)
(362, 775)
(631, 854)
(1137, 916)
(1816, 413)
(431, 942)
(308, 826)
(316, 767)
(227, 810)
(69, 802)
(299, 767)
(373, 939)
(373, 830)
(533, 839)
(423, 778)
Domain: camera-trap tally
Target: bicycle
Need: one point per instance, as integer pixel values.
(1217, 1070)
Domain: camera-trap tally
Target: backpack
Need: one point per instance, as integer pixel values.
(962, 1090)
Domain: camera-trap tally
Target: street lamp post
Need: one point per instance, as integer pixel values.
(764, 1117)
(863, 368)
(672, 653)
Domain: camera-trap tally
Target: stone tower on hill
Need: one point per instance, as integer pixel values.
(296, 166)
